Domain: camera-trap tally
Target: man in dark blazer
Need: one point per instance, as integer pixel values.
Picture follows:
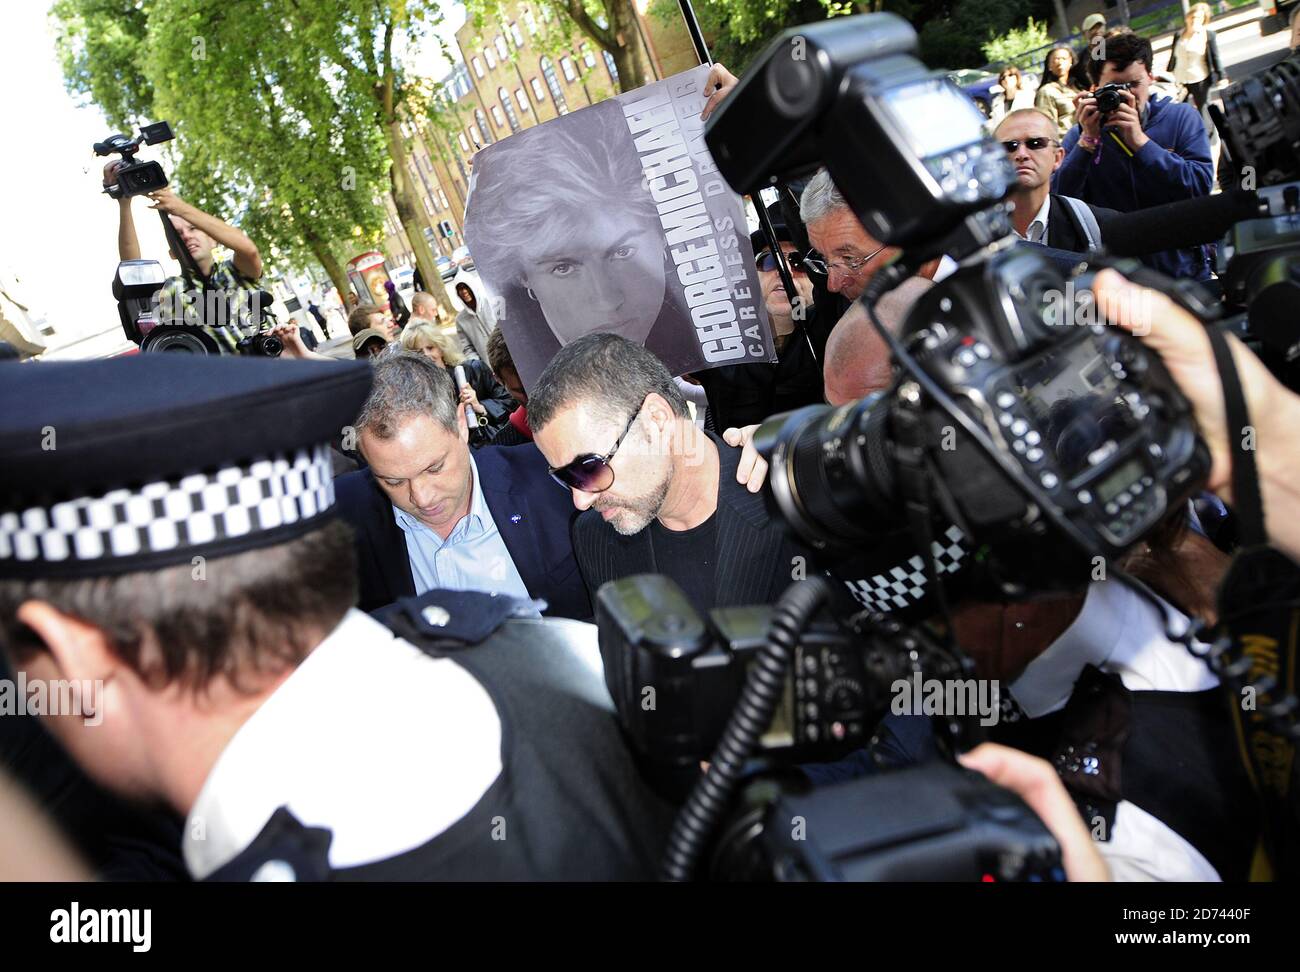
(1040, 216)
(658, 494)
(427, 513)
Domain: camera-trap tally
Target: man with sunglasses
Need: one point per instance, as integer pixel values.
(657, 495)
(746, 394)
(1041, 216)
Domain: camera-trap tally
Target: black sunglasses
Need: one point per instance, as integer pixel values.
(1033, 144)
(766, 261)
(592, 473)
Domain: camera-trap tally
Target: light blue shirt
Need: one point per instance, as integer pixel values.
(472, 558)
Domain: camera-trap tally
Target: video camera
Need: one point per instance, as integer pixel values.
(138, 284)
(134, 177)
(1016, 415)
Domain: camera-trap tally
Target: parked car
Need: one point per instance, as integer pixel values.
(446, 269)
(404, 278)
(460, 256)
(978, 85)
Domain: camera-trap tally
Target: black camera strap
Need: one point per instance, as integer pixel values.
(1256, 642)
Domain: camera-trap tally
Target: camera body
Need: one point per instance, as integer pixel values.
(135, 177)
(1110, 96)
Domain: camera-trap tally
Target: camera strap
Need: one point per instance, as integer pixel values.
(1257, 640)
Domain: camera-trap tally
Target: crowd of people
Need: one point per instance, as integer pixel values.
(429, 486)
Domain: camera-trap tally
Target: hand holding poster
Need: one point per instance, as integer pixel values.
(614, 218)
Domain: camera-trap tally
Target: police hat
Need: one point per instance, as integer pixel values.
(135, 463)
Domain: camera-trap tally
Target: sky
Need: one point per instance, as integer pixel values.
(58, 238)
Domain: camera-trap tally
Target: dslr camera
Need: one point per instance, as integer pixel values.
(1015, 415)
(1110, 96)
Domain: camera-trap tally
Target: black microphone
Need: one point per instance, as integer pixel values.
(1176, 225)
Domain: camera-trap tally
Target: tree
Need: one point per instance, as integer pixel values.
(362, 42)
(610, 24)
(261, 130)
(101, 47)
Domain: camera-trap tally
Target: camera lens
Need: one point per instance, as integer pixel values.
(831, 471)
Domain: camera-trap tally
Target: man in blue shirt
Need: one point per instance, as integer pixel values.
(1148, 151)
(428, 513)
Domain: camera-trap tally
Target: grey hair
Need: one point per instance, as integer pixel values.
(820, 198)
(606, 370)
(422, 299)
(407, 384)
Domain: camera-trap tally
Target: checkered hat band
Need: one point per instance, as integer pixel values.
(905, 585)
(198, 510)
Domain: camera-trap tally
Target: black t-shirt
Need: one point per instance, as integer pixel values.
(690, 558)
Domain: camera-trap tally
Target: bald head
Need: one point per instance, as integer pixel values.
(424, 306)
(857, 359)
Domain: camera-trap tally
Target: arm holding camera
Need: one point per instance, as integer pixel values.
(247, 259)
(128, 244)
(1183, 345)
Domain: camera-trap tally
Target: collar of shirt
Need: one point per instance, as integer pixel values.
(1036, 231)
(467, 528)
(1118, 632)
(386, 767)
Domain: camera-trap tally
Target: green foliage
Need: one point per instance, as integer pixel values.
(957, 39)
(101, 47)
(1004, 48)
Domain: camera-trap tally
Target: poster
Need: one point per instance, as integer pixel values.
(614, 218)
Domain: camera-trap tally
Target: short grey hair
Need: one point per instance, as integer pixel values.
(602, 369)
(407, 384)
(820, 198)
(421, 301)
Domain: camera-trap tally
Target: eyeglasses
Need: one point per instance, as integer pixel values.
(592, 473)
(1033, 144)
(766, 261)
(824, 267)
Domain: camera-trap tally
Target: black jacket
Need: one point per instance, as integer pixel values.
(1064, 231)
(756, 557)
(492, 395)
(530, 511)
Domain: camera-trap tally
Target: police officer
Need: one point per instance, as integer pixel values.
(189, 576)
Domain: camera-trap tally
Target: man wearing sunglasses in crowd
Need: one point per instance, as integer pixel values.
(657, 494)
(1040, 215)
(746, 394)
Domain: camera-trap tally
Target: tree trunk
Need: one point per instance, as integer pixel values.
(411, 217)
(629, 58)
(338, 276)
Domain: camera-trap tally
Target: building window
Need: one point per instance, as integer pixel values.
(610, 66)
(488, 56)
(538, 91)
(530, 22)
(566, 65)
(552, 82)
(504, 95)
(483, 128)
(588, 58)
(522, 99)
(442, 197)
(478, 67)
(464, 143)
(546, 14)
(516, 35)
(502, 51)
(497, 117)
(428, 205)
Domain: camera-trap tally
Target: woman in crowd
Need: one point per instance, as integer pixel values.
(1015, 94)
(1194, 59)
(489, 399)
(1056, 94)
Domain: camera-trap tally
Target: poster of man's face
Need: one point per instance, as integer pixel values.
(613, 218)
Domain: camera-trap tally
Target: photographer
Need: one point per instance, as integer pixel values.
(1145, 151)
(181, 300)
